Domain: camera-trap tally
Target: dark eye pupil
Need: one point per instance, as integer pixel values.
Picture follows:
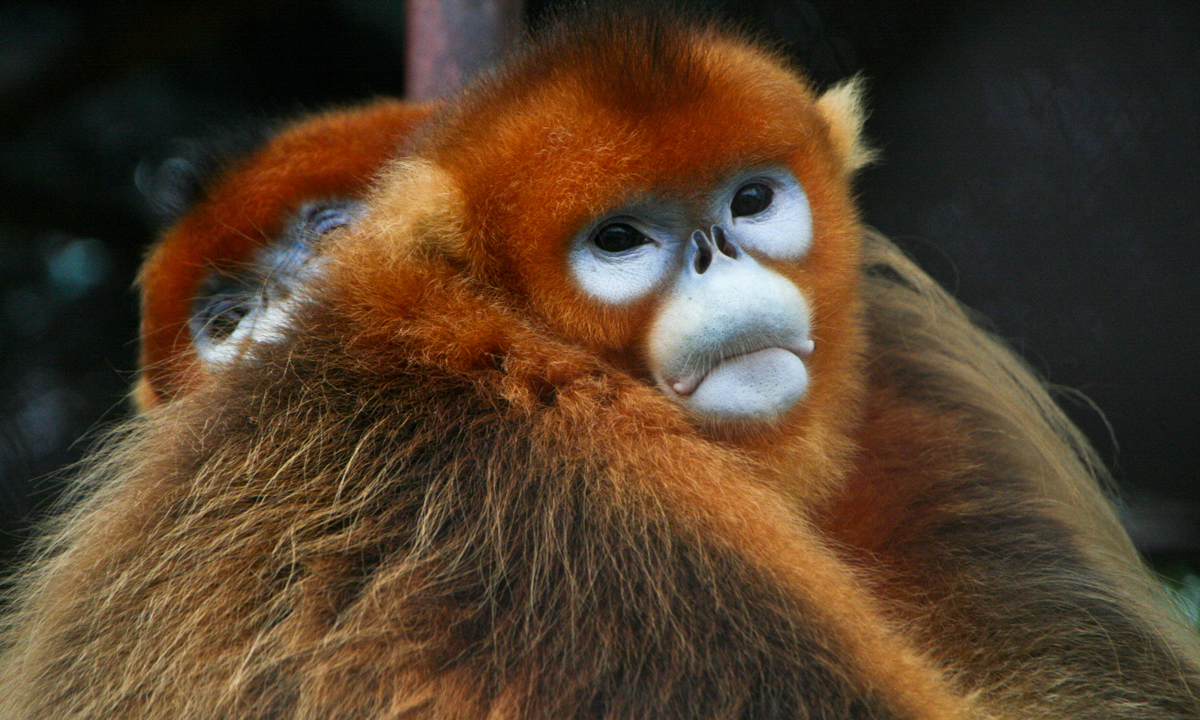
(751, 200)
(217, 315)
(224, 317)
(619, 237)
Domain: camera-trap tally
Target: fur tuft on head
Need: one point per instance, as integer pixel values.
(844, 108)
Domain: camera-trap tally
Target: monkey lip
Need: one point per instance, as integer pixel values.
(686, 385)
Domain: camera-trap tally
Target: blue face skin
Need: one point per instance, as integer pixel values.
(730, 335)
(252, 303)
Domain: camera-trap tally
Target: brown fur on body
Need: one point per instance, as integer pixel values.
(452, 493)
(453, 544)
(977, 506)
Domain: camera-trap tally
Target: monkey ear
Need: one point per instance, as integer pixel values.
(844, 108)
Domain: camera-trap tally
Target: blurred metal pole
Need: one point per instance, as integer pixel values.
(450, 40)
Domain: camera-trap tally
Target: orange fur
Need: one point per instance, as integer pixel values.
(452, 490)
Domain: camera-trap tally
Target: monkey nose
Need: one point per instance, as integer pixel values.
(705, 248)
(724, 243)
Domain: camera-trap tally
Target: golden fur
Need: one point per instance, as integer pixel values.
(452, 492)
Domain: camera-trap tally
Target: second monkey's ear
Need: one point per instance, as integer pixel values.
(844, 108)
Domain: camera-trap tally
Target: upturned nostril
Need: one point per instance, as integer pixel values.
(723, 243)
(704, 252)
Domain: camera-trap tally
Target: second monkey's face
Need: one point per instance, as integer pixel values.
(684, 215)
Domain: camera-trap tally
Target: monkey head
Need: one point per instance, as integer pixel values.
(229, 265)
(698, 232)
(683, 214)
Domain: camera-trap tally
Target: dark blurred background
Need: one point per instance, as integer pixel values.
(1041, 159)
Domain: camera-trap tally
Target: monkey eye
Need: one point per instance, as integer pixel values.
(323, 218)
(618, 238)
(751, 199)
(217, 315)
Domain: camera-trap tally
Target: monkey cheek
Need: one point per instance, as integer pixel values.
(754, 387)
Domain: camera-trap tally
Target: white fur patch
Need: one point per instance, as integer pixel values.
(264, 325)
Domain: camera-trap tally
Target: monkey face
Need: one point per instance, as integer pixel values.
(728, 334)
(233, 270)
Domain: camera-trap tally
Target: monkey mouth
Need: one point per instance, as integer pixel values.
(686, 385)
